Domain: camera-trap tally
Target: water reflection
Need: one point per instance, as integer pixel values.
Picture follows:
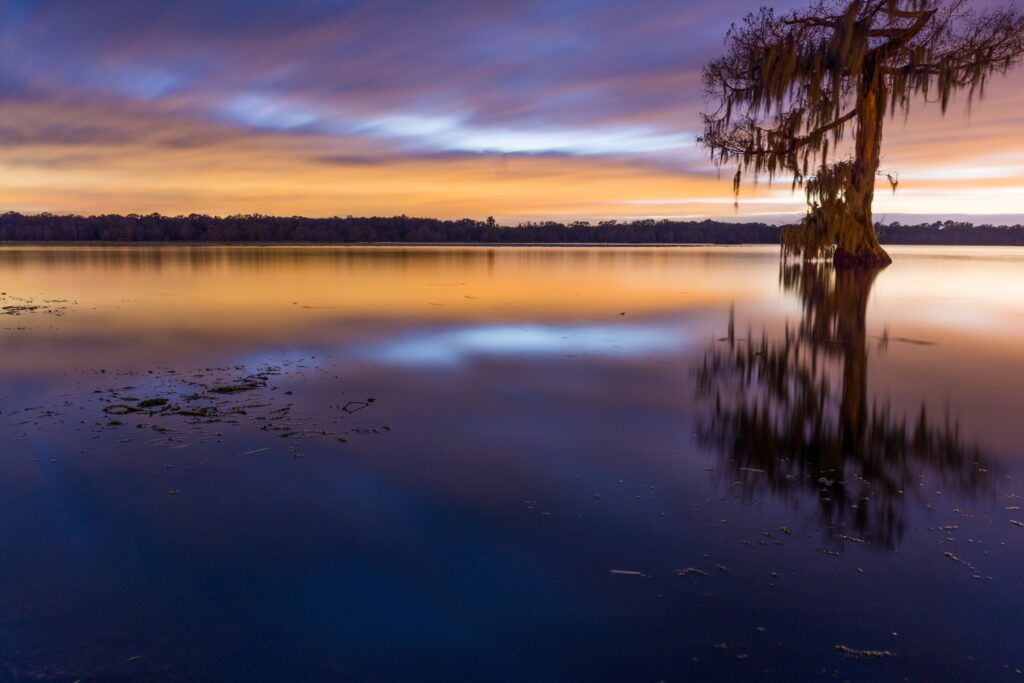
(452, 347)
(793, 416)
(194, 306)
(523, 453)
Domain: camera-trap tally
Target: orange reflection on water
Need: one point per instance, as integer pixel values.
(953, 317)
(182, 300)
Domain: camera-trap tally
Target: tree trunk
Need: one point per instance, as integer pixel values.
(859, 246)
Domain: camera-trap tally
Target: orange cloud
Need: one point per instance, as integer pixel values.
(97, 155)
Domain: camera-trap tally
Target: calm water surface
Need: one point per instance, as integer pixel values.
(320, 464)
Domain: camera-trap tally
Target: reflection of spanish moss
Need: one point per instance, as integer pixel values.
(792, 415)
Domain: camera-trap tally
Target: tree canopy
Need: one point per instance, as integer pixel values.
(790, 87)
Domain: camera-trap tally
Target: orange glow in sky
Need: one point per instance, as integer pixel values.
(512, 111)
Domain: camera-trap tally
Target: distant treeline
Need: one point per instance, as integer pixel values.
(257, 228)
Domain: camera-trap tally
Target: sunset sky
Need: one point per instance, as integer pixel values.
(554, 109)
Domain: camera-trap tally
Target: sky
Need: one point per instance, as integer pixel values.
(521, 110)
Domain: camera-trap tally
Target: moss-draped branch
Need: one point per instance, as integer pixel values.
(789, 87)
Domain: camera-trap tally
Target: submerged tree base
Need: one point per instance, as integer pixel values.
(876, 257)
(840, 237)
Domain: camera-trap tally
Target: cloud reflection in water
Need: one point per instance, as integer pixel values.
(451, 347)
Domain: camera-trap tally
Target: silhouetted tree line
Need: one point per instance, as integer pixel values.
(952, 232)
(48, 227)
(258, 228)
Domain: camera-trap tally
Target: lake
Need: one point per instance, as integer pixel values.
(512, 464)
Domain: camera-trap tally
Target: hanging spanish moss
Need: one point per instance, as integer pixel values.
(790, 88)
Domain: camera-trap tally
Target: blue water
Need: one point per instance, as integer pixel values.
(620, 470)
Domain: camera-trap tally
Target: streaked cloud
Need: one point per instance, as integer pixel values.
(522, 110)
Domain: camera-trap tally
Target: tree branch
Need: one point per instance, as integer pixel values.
(848, 116)
(795, 144)
(885, 50)
(816, 22)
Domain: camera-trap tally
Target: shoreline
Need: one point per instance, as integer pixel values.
(89, 244)
(520, 245)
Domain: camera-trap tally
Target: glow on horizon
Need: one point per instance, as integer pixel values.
(508, 111)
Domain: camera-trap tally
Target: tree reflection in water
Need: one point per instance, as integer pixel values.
(792, 416)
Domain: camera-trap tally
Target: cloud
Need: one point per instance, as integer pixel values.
(524, 109)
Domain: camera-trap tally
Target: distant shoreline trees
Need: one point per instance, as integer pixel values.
(255, 228)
